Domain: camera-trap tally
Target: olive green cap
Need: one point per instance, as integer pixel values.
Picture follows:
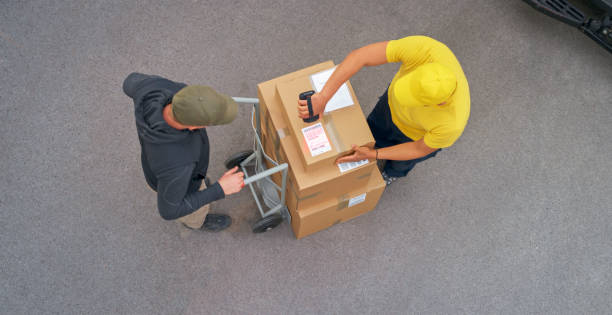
(199, 105)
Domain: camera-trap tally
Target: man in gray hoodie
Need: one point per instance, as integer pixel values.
(170, 119)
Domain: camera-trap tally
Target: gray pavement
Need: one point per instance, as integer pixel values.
(515, 218)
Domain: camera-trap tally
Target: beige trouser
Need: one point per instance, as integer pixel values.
(195, 220)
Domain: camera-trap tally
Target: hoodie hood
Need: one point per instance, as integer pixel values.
(150, 122)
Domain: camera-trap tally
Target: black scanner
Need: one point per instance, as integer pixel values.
(306, 96)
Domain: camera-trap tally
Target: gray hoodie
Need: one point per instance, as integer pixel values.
(174, 161)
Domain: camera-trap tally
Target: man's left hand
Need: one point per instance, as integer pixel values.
(360, 153)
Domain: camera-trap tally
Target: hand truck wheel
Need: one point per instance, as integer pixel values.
(237, 158)
(267, 223)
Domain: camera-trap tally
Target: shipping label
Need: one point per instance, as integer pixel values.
(347, 166)
(357, 200)
(316, 139)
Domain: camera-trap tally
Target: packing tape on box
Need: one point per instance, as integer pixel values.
(307, 197)
(333, 135)
(343, 202)
(277, 149)
(366, 175)
(280, 134)
(276, 137)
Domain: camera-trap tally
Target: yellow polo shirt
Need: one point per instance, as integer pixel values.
(439, 125)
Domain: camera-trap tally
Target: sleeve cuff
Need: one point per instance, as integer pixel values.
(217, 191)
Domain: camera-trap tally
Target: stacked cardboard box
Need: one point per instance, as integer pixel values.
(319, 194)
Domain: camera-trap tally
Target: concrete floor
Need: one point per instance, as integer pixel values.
(515, 218)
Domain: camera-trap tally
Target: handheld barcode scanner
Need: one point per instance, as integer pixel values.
(306, 96)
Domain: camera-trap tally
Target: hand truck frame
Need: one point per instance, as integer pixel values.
(260, 181)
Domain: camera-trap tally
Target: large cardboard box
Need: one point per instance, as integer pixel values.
(266, 91)
(342, 127)
(333, 211)
(305, 187)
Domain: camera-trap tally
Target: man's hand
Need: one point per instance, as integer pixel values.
(232, 182)
(318, 106)
(360, 153)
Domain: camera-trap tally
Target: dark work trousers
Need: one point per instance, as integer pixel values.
(387, 134)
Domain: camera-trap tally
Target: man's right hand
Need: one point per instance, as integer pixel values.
(318, 106)
(232, 181)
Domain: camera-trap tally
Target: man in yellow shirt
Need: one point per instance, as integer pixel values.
(425, 108)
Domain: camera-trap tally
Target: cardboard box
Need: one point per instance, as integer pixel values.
(266, 91)
(333, 211)
(305, 187)
(335, 131)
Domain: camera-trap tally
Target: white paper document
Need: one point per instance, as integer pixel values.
(357, 200)
(341, 99)
(347, 166)
(316, 139)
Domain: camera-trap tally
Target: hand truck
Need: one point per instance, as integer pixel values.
(260, 182)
